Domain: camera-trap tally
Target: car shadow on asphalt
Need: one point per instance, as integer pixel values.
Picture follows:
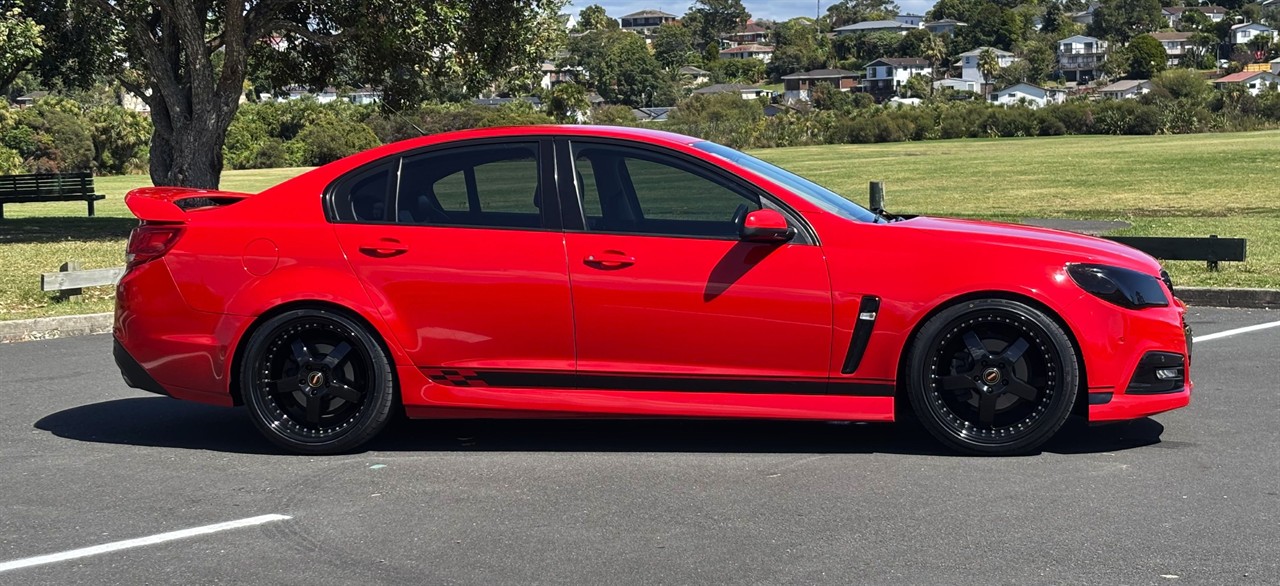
(163, 422)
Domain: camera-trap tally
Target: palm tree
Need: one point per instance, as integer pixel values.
(934, 51)
(988, 64)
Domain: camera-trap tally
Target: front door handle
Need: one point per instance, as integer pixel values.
(610, 259)
(384, 248)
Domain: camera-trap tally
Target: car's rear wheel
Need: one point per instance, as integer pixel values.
(316, 382)
(992, 377)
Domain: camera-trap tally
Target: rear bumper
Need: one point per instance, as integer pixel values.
(134, 375)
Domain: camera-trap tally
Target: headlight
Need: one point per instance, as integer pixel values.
(1123, 287)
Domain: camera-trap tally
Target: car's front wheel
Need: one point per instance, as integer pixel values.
(992, 377)
(316, 382)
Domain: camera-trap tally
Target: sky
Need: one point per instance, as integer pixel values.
(770, 9)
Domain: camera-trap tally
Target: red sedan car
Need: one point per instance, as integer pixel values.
(591, 271)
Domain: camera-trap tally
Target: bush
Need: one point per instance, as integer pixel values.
(330, 140)
(62, 142)
(612, 115)
(10, 162)
(121, 140)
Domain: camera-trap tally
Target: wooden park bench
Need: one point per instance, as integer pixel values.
(48, 187)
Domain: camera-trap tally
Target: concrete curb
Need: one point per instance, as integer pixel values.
(1241, 298)
(46, 328)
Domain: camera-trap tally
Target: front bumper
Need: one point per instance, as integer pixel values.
(1159, 382)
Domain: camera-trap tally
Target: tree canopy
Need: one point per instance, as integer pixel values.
(189, 60)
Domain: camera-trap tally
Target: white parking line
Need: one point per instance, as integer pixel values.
(1244, 330)
(139, 542)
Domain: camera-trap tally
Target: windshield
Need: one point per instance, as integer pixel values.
(826, 200)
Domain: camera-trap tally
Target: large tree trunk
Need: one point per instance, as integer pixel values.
(187, 151)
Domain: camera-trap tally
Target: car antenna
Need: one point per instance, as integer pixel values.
(396, 112)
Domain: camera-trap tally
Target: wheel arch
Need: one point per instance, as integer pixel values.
(1081, 405)
(237, 355)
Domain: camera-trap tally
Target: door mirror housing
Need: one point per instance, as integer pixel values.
(765, 226)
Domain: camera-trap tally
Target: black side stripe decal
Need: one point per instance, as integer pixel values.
(868, 309)
(630, 382)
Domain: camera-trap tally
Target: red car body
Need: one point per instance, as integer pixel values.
(567, 321)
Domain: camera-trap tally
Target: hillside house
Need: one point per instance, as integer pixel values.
(646, 22)
(1125, 89)
(1080, 58)
(1254, 82)
(885, 75)
(1029, 95)
(799, 86)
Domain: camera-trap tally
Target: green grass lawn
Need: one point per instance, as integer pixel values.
(1189, 185)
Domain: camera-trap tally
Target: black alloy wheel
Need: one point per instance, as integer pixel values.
(993, 377)
(316, 382)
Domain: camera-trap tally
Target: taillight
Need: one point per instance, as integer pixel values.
(151, 241)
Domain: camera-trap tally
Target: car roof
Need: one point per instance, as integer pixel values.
(622, 132)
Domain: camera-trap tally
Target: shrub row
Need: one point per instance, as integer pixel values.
(60, 135)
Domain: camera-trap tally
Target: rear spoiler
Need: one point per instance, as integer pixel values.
(170, 204)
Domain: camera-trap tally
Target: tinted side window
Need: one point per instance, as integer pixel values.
(487, 186)
(365, 197)
(638, 191)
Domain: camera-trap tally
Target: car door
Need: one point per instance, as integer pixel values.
(665, 294)
(464, 257)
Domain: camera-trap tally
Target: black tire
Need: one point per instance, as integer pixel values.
(317, 382)
(992, 377)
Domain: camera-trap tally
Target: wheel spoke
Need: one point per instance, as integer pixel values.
(1014, 351)
(337, 354)
(1022, 390)
(301, 354)
(314, 403)
(956, 382)
(986, 408)
(976, 349)
(344, 392)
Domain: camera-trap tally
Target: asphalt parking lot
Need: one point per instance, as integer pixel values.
(1191, 496)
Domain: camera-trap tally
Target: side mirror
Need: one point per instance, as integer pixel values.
(765, 226)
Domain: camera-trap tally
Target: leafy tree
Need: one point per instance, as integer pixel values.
(565, 101)
(617, 64)
(20, 44)
(1121, 20)
(1040, 57)
(737, 70)
(912, 43)
(917, 86)
(1194, 20)
(825, 96)
(1054, 18)
(189, 60)
(1147, 57)
(673, 46)
(613, 115)
(1180, 84)
(797, 47)
(120, 139)
(594, 18)
(846, 12)
(708, 19)
(934, 50)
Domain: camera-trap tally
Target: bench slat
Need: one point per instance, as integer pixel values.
(78, 279)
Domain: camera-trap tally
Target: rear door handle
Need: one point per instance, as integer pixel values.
(610, 259)
(384, 248)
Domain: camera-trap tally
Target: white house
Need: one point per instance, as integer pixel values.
(694, 75)
(761, 52)
(1125, 89)
(1275, 63)
(1174, 13)
(1241, 33)
(969, 62)
(1085, 17)
(887, 74)
(365, 96)
(1029, 95)
(958, 84)
(910, 19)
(1175, 45)
(746, 92)
(1255, 82)
(1080, 57)
(871, 26)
